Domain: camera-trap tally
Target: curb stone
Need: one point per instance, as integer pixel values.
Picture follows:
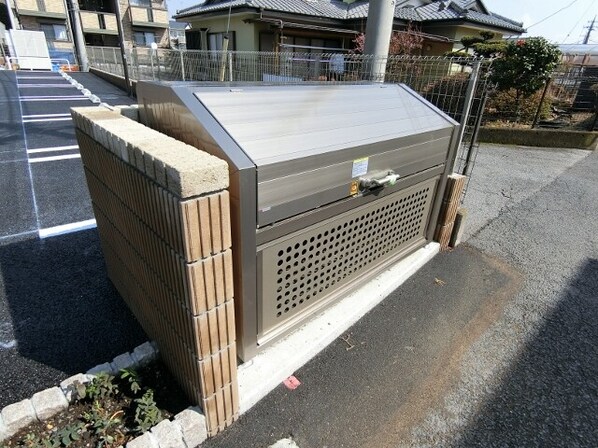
(186, 430)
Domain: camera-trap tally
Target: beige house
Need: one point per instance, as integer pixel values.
(320, 25)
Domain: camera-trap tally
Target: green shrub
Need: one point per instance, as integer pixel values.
(504, 105)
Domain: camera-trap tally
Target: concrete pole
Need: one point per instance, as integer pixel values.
(123, 50)
(377, 36)
(73, 6)
(14, 25)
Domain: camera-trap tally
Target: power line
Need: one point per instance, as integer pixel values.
(553, 14)
(579, 20)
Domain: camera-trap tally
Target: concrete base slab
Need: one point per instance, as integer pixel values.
(279, 361)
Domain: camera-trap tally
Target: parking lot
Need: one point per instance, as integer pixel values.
(41, 175)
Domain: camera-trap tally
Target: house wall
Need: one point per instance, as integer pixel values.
(246, 35)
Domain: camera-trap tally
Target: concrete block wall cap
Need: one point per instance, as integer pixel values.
(168, 435)
(147, 440)
(49, 402)
(192, 423)
(18, 415)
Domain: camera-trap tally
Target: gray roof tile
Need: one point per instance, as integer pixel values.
(335, 9)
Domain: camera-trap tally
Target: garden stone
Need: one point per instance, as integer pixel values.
(168, 434)
(102, 368)
(284, 443)
(49, 402)
(3, 431)
(143, 354)
(146, 440)
(193, 426)
(69, 388)
(18, 415)
(124, 361)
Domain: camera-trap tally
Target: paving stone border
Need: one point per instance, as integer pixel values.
(186, 430)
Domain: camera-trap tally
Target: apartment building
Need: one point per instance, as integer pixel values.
(144, 22)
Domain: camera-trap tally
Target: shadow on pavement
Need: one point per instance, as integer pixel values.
(550, 396)
(369, 387)
(62, 310)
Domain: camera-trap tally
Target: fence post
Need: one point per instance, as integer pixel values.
(469, 96)
(152, 64)
(539, 110)
(182, 65)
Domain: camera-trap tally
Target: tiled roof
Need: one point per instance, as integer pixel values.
(335, 9)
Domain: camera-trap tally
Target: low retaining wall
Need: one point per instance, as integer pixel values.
(162, 211)
(547, 138)
(118, 81)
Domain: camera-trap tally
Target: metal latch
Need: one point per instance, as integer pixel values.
(369, 183)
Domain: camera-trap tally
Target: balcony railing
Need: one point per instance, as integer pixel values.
(154, 17)
(42, 8)
(98, 22)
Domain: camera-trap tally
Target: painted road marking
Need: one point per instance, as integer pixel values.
(46, 120)
(47, 115)
(54, 158)
(39, 86)
(55, 98)
(55, 148)
(67, 228)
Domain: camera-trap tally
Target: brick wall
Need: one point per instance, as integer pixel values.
(162, 210)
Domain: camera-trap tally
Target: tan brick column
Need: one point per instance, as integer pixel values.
(162, 211)
(448, 211)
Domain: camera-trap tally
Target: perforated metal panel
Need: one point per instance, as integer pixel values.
(302, 270)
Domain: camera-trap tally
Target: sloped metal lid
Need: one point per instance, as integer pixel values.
(273, 124)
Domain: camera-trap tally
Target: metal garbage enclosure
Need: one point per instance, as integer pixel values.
(328, 185)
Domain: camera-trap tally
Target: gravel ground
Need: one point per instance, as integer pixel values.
(531, 380)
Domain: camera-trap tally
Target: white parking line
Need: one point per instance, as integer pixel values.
(47, 115)
(39, 86)
(46, 120)
(55, 98)
(67, 228)
(55, 148)
(38, 77)
(53, 158)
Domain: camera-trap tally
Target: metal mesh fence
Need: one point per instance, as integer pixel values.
(568, 100)
(457, 86)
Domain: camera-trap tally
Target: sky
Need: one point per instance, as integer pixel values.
(566, 26)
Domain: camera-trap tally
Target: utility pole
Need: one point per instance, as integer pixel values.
(123, 51)
(378, 29)
(73, 7)
(590, 29)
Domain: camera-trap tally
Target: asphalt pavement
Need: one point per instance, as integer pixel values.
(492, 344)
(59, 314)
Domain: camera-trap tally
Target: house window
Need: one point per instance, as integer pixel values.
(215, 41)
(144, 38)
(144, 3)
(54, 31)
